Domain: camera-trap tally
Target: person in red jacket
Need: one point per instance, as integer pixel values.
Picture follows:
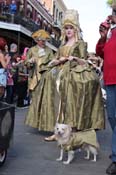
(108, 51)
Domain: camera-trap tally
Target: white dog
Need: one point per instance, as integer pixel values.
(69, 140)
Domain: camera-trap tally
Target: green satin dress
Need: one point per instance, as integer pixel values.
(41, 112)
(81, 103)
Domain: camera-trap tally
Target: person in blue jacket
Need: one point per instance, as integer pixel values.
(13, 7)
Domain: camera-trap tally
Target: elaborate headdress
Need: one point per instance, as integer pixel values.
(71, 17)
(40, 35)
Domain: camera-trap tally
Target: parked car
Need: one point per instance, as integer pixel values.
(7, 116)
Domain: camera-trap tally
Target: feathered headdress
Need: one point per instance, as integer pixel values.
(40, 35)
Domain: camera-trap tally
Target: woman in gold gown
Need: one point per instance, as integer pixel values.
(81, 104)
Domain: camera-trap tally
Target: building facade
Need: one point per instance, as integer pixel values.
(57, 9)
(32, 15)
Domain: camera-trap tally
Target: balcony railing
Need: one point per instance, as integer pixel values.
(17, 19)
(27, 23)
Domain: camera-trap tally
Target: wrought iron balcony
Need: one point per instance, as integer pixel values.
(27, 23)
(18, 19)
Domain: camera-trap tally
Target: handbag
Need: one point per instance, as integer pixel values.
(3, 77)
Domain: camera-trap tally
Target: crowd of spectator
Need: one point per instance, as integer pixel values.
(16, 90)
(6, 7)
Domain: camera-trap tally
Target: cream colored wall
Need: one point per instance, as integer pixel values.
(59, 4)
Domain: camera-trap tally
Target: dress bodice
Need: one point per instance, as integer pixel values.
(79, 49)
(65, 51)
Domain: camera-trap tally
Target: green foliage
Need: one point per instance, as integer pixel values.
(109, 2)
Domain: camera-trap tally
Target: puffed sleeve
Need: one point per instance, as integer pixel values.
(80, 50)
(83, 50)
